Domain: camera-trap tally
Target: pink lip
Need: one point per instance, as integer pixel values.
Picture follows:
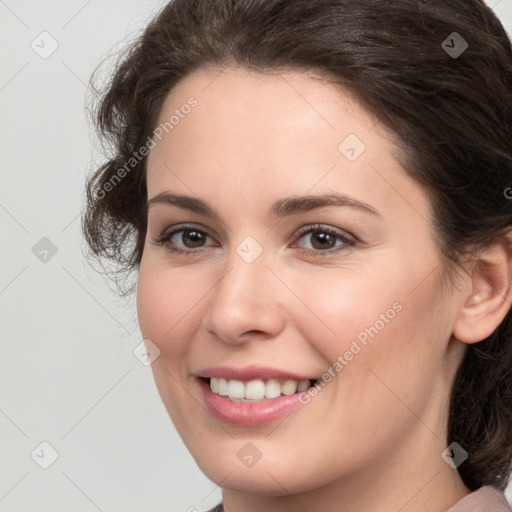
(250, 372)
(248, 414)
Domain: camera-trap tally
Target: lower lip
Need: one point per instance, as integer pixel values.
(248, 414)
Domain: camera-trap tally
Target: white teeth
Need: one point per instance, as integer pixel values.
(272, 389)
(222, 387)
(289, 387)
(236, 389)
(303, 385)
(256, 390)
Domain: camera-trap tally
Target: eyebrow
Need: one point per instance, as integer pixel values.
(281, 208)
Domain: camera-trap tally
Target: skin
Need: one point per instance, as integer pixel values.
(372, 439)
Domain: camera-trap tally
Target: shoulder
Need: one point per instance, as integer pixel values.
(485, 499)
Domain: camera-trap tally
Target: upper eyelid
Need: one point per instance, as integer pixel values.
(178, 228)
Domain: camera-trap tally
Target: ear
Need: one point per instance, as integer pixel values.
(488, 295)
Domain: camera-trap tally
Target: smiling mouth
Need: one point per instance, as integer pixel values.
(256, 390)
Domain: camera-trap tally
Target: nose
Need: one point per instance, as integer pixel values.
(246, 303)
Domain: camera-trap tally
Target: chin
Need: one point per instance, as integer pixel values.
(265, 478)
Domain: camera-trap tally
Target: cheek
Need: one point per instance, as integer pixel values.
(368, 326)
(166, 303)
(168, 313)
(345, 307)
(390, 353)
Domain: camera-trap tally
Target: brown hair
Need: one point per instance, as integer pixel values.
(451, 116)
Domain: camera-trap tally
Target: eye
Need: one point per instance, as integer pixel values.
(323, 240)
(190, 236)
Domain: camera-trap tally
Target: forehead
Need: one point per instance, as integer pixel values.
(290, 129)
(263, 109)
(242, 103)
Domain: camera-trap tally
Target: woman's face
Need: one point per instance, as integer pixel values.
(314, 259)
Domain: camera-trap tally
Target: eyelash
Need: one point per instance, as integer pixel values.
(347, 242)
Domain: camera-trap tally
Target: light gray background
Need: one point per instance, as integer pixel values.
(68, 375)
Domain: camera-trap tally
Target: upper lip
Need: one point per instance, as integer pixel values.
(247, 373)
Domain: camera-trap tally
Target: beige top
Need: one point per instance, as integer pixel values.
(485, 499)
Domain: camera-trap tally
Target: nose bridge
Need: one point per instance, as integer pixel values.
(247, 267)
(245, 298)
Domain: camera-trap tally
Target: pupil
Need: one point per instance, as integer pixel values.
(193, 235)
(325, 237)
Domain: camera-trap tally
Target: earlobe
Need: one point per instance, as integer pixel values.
(488, 296)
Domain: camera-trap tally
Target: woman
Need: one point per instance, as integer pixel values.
(313, 195)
